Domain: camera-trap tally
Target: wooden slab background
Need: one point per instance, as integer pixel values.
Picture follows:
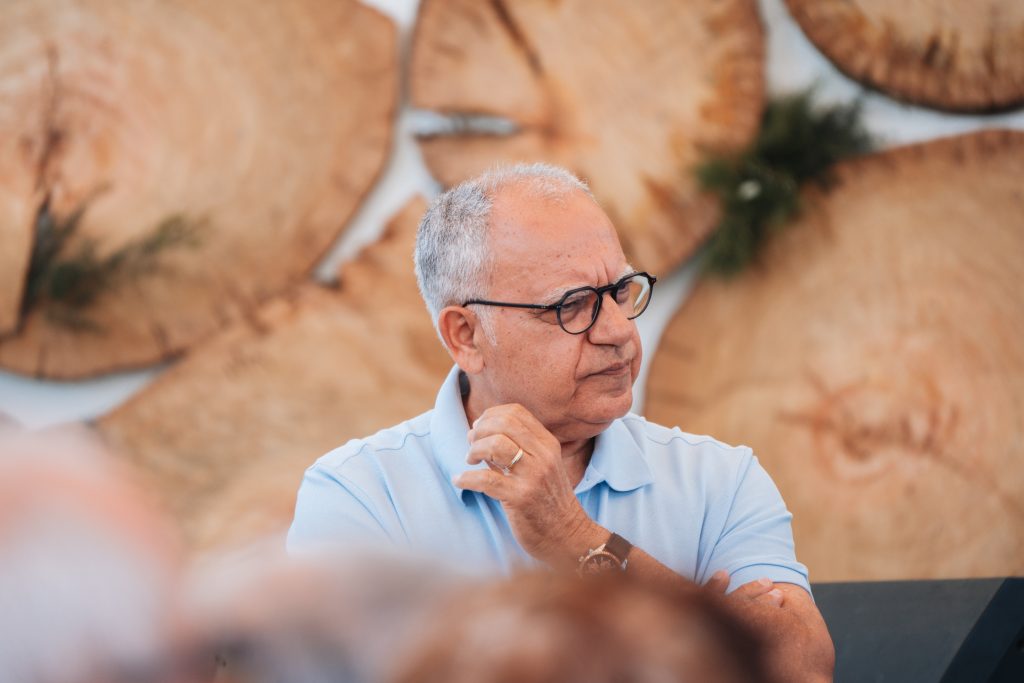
(225, 435)
(628, 95)
(262, 124)
(955, 55)
(873, 361)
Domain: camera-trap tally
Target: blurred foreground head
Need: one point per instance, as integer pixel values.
(87, 570)
(317, 617)
(543, 627)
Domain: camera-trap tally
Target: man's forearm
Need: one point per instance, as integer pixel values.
(590, 535)
(798, 646)
(798, 643)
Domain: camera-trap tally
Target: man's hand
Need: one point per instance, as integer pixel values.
(537, 494)
(798, 641)
(762, 591)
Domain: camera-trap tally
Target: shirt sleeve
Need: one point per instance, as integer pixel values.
(331, 509)
(757, 537)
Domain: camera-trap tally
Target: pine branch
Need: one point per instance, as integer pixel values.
(760, 188)
(66, 286)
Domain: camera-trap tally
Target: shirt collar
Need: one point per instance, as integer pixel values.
(617, 459)
(448, 430)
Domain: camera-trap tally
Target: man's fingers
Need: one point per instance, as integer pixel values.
(515, 422)
(488, 482)
(718, 583)
(753, 589)
(773, 597)
(498, 449)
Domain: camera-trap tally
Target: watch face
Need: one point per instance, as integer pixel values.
(600, 563)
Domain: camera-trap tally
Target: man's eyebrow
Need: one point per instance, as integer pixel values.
(553, 296)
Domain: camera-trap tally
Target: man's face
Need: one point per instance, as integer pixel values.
(576, 385)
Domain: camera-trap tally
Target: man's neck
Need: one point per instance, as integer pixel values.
(576, 456)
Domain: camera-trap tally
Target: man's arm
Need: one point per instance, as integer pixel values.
(798, 643)
(800, 646)
(550, 524)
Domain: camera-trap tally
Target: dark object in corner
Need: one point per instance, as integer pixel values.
(954, 631)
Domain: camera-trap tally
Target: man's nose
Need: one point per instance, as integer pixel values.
(612, 326)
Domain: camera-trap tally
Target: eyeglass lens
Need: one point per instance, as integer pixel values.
(579, 310)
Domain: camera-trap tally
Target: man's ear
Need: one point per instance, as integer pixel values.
(458, 327)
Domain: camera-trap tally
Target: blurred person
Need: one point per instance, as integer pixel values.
(530, 455)
(539, 628)
(88, 571)
(316, 618)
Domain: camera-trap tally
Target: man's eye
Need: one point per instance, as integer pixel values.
(569, 311)
(548, 316)
(572, 305)
(575, 306)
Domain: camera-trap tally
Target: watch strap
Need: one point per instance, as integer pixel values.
(619, 547)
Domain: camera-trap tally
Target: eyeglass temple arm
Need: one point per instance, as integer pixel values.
(484, 302)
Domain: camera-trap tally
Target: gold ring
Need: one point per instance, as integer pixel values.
(507, 469)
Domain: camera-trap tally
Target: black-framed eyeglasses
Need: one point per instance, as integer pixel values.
(577, 310)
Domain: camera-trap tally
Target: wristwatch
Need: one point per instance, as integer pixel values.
(609, 556)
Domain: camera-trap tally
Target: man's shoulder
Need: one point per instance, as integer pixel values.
(683, 457)
(388, 443)
(663, 445)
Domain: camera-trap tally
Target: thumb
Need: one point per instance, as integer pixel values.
(718, 583)
(753, 589)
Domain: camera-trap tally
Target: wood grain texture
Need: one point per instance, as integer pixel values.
(872, 360)
(630, 96)
(225, 435)
(956, 55)
(263, 124)
(18, 201)
(16, 238)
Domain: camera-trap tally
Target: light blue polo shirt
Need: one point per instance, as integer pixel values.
(693, 503)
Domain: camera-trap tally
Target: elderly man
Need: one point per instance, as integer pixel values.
(530, 454)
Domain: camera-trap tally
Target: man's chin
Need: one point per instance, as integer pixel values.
(601, 416)
(583, 430)
(585, 419)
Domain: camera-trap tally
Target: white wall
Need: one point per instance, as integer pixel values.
(793, 63)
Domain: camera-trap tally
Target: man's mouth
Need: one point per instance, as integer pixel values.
(615, 369)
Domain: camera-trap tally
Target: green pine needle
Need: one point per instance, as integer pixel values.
(760, 188)
(67, 285)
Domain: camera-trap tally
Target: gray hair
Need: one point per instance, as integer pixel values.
(452, 252)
